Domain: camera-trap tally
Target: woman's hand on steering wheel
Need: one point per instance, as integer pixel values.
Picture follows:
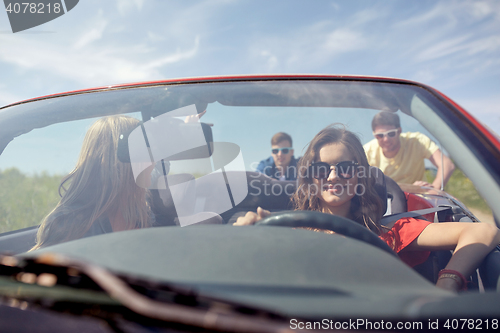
(251, 218)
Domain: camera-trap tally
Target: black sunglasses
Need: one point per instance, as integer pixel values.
(344, 169)
(283, 150)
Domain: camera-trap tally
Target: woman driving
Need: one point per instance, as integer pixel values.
(334, 178)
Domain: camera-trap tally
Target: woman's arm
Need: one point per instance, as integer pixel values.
(471, 242)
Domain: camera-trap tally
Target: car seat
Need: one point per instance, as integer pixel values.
(175, 201)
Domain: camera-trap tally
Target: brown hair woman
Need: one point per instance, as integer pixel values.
(330, 173)
(100, 194)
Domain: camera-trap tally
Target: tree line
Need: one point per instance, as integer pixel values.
(25, 200)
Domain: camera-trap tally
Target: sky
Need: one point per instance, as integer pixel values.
(453, 46)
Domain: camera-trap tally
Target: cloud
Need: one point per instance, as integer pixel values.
(447, 43)
(480, 9)
(90, 65)
(453, 21)
(341, 41)
(271, 61)
(308, 47)
(93, 34)
(424, 75)
(463, 46)
(485, 106)
(105, 48)
(439, 13)
(127, 6)
(442, 49)
(179, 55)
(7, 97)
(485, 109)
(452, 14)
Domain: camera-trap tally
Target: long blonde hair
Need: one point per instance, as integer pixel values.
(365, 209)
(99, 186)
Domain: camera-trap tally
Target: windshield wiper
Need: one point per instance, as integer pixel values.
(146, 300)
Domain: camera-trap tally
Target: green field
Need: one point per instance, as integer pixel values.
(26, 200)
(462, 188)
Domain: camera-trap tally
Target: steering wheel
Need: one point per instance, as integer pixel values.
(341, 225)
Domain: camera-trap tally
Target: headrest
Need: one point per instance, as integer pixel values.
(397, 196)
(380, 186)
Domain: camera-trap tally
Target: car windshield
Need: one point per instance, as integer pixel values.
(238, 122)
(202, 154)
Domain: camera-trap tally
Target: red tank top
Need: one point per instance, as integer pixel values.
(405, 231)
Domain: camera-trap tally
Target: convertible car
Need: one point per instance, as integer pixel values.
(196, 150)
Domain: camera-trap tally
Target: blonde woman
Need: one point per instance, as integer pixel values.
(100, 194)
(334, 179)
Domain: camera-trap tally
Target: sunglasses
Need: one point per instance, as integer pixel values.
(322, 170)
(282, 150)
(391, 133)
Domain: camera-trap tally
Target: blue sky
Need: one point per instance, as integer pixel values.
(453, 46)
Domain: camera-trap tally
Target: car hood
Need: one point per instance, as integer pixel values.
(293, 272)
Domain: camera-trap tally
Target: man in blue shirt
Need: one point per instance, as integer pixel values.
(282, 165)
